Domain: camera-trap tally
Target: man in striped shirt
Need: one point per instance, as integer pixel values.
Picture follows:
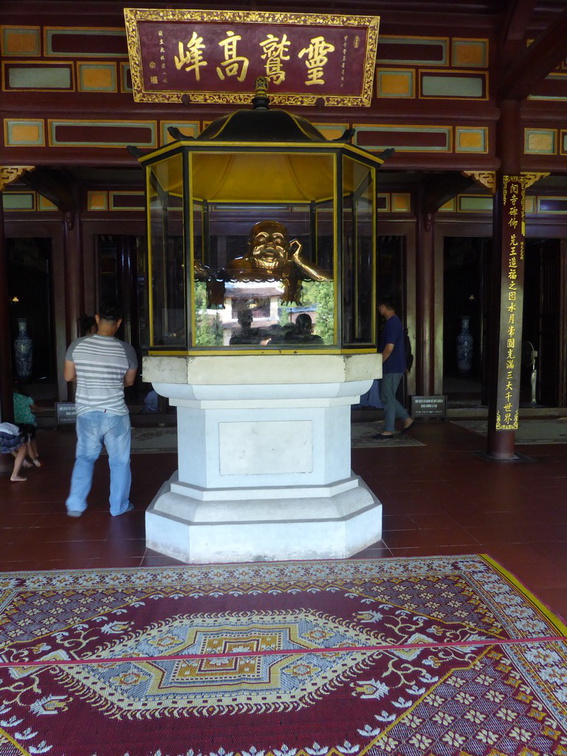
(102, 365)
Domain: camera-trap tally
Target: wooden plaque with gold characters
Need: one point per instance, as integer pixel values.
(214, 56)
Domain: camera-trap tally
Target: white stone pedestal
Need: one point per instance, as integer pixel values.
(264, 459)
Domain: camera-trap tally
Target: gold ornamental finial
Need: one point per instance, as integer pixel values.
(261, 100)
(261, 86)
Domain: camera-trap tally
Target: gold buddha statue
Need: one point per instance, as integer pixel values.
(272, 256)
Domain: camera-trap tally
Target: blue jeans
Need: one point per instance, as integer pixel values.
(392, 407)
(93, 430)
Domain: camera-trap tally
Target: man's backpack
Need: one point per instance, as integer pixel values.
(407, 348)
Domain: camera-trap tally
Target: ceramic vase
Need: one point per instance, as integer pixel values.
(464, 346)
(23, 350)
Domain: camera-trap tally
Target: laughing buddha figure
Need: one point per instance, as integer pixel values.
(272, 256)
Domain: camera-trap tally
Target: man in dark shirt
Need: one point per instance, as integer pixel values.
(393, 367)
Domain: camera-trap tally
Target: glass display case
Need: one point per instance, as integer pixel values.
(261, 239)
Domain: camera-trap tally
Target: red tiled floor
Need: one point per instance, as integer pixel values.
(442, 498)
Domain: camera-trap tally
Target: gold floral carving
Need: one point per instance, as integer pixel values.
(529, 178)
(485, 178)
(10, 173)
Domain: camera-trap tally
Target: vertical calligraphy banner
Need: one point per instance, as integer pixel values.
(512, 302)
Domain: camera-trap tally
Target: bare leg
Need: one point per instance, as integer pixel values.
(25, 463)
(15, 477)
(33, 452)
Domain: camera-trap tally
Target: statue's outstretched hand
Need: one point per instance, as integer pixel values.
(307, 270)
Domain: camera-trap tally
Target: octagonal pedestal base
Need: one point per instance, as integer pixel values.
(264, 467)
(326, 522)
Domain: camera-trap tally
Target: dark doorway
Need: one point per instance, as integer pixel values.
(30, 292)
(391, 270)
(391, 286)
(464, 311)
(542, 321)
(121, 276)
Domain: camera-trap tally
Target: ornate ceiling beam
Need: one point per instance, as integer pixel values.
(514, 29)
(529, 178)
(487, 179)
(55, 186)
(535, 62)
(438, 190)
(10, 173)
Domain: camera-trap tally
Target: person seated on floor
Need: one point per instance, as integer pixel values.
(12, 441)
(151, 401)
(24, 418)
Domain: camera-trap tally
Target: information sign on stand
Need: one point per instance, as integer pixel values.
(429, 407)
(65, 413)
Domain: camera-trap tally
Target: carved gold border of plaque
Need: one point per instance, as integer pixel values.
(133, 15)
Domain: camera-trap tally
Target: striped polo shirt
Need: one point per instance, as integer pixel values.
(101, 362)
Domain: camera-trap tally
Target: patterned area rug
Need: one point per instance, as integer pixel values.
(551, 431)
(156, 440)
(437, 656)
(363, 435)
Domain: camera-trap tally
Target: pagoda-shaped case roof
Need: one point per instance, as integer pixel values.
(261, 155)
(261, 124)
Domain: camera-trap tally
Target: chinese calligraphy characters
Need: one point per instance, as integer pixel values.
(191, 56)
(274, 54)
(507, 413)
(316, 59)
(215, 56)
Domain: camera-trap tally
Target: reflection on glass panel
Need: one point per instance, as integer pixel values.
(324, 253)
(142, 293)
(167, 269)
(264, 289)
(257, 283)
(200, 236)
(254, 314)
(358, 255)
(208, 323)
(272, 248)
(320, 297)
(174, 312)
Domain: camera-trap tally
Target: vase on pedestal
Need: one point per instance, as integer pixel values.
(464, 347)
(23, 350)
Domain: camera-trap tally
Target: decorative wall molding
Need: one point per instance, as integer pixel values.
(484, 178)
(530, 178)
(10, 173)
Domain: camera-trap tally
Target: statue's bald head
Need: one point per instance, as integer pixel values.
(268, 244)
